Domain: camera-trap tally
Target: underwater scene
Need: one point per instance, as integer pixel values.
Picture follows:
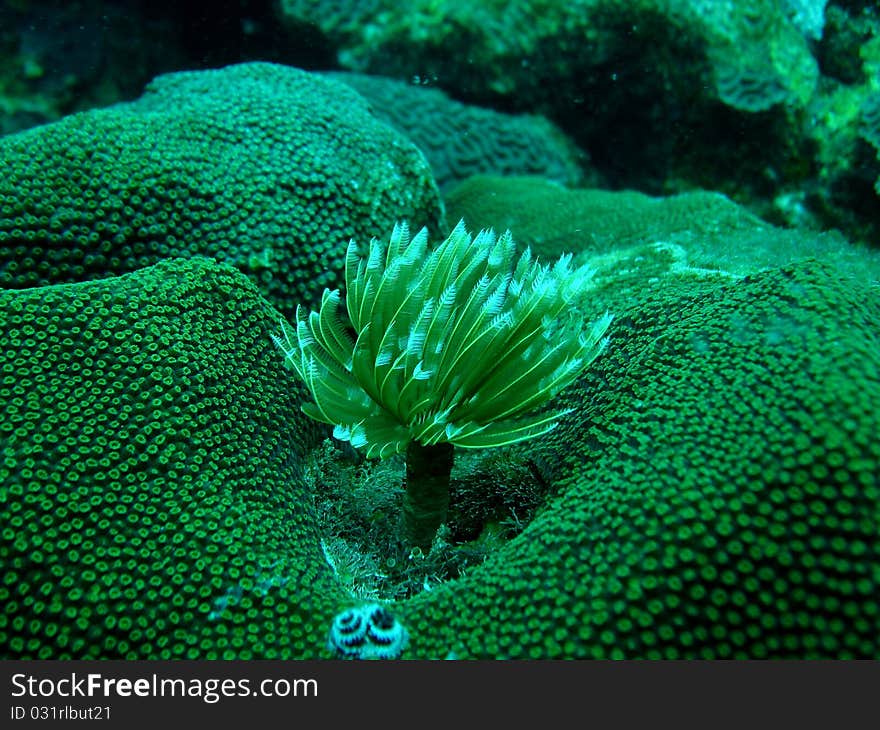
(449, 329)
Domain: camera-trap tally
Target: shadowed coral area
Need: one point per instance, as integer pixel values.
(716, 485)
(757, 53)
(461, 140)
(655, 90)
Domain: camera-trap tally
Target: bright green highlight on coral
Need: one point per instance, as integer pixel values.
(461, 344)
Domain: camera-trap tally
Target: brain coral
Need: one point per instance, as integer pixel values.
(263, 166)
(461, 140)
(716, 485)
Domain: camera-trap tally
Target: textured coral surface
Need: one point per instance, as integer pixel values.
(713, 491)
(260, 165)
(716, 483)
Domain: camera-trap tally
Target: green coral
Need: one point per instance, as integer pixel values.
(663, 95)
(552, 219)
(461, 140)
(719, 491)
(698, 231)
(263, 166)
(711, 492)
(716, 489)
(148, 462)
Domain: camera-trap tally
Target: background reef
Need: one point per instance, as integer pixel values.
(174, 183)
